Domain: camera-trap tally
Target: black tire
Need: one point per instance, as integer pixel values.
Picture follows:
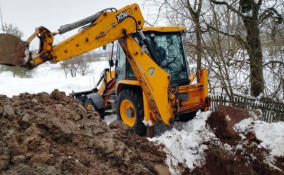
(188, 116)
(134, 94)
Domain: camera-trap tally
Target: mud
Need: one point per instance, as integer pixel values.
(12, 50)
(53, 134)
(222, 122)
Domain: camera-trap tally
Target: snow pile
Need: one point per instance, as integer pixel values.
(244, 126)
(207, 144)
(271, 135)
(184, 143)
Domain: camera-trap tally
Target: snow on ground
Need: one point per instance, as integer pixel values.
(271, 135)
(48, 77)
(184, 142)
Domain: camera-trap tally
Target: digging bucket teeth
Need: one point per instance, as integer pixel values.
(13, 51)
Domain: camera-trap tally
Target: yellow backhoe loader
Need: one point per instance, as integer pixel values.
(150, 79)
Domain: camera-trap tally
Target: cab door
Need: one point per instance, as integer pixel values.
(120, 69)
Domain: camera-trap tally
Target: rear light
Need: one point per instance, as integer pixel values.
(208, 101)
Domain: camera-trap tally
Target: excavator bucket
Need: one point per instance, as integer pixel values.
(13, 51)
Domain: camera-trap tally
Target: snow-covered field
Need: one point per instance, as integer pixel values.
(48, 77)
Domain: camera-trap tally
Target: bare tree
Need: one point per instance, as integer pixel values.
(78, 64)
(253, 15)
(195, 12)
(223, 55)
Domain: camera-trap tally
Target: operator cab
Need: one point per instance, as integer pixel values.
(167, 43)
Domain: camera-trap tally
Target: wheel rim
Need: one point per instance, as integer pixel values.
(127, 112)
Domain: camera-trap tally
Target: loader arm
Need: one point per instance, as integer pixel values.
(108, 26)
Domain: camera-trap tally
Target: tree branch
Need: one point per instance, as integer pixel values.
(148, 23)
(274, 62)
(199, 7)
(159, 12)
(267, 13)
(228, 6)
(237, 37)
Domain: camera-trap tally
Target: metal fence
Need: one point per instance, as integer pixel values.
(271, 111)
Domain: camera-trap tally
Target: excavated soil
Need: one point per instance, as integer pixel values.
(12, 50)
(54, 134)
(223, 120)
(240, 156)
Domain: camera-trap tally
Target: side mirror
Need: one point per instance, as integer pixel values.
(104, 47)
(111, 64)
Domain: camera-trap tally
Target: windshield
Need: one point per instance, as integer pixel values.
(169, 49)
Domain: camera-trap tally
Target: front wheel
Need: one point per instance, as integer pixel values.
(130, 109)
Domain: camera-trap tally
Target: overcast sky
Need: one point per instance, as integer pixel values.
(29, 14)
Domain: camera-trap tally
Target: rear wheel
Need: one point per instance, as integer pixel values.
(130, 109)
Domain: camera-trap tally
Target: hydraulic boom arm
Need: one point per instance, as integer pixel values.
(107, 27)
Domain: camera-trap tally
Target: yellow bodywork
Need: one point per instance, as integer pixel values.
(153, 79)
(128, 105)
(197, 94)
(122, 83)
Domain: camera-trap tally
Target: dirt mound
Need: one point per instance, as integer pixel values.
(54, 134)
(222, 122)
(12, 50)
(232, 154)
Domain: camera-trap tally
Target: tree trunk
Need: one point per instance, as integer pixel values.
(198, 43)
(254, 51)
